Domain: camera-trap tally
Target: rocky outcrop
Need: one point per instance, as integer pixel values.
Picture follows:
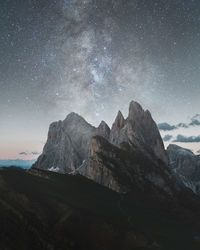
(67, 145)
(98, 169)
(186, 165)
(103, 130)
(116, 134)
(122, 171)
(140, 131)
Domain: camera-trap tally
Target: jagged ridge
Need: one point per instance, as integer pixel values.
(74, 146)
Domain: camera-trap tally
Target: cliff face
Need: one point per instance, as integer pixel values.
(123, 170)
(103, 130)
(67, 145)
(98, 168)
(186, 166)
(140, 131)
(129, 154)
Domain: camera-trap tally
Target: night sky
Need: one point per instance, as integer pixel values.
(93, 57)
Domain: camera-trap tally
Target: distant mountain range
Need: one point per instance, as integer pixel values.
(17, 163)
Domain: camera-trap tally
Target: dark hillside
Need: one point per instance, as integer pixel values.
(45, 210)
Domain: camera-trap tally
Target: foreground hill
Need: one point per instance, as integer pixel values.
(45, 210)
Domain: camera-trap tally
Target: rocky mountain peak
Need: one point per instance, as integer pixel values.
(76, 120)
(119, 120)
(135, 111)
(138, 115)
(116, 129)
(73, 117)
(103, 130)
(140, 131)
(67, 144)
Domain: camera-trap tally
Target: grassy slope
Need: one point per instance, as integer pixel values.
(70, 212)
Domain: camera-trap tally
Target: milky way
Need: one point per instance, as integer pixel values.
(93, 57)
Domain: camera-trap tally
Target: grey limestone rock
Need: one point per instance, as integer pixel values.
(67, 145)
(140, 131)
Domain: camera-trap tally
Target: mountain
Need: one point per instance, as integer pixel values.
(68, 141)
(17, 163)
(114, 189)
(186, 165)
(116, 157)
(46, 210)
(67, 145)
(140, 132)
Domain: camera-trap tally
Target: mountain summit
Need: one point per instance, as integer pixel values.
(67, 144)
(140, 131)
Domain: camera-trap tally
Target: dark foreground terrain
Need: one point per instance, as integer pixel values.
(46, 210)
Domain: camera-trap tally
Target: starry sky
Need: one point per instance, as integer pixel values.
(93, 57)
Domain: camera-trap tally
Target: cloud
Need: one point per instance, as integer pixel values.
(166, 126)
(35, 153)
(27, 153)
(187, 139)
(182, 125)
(167, 137)
(194, 122)
(197, 116)
(23, 153)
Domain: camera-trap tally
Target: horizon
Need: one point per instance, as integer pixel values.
(194, 147)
